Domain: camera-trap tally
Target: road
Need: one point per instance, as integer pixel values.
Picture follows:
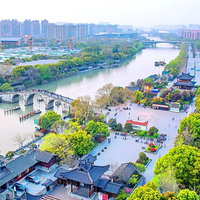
(193, 64)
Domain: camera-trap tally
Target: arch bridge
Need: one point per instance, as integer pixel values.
(28, 95)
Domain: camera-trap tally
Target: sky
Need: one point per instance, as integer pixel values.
(139, 13)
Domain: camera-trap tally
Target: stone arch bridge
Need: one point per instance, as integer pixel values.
(48, 97)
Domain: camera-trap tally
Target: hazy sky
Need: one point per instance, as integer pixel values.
(139, 13)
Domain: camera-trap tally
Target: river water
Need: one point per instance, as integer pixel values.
(140, 66)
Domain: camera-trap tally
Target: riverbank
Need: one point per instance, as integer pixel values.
(139, 66)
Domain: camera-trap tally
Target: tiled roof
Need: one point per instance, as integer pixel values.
(124, 172)
(137, 123)
(190, 84)
(185, 76)
(85, 173)
(113, 188)
(101, 183)
(43, 156)
(89, 158)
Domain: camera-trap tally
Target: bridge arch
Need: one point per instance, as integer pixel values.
(29, 99)
(50, 104)
(15, 98)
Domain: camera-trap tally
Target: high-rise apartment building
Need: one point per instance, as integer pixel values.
(27, 27)
(35, 28)
(44, 24)
(15, 28)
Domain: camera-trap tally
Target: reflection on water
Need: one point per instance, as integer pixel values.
(141, 66)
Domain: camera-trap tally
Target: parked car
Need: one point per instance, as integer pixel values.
(32, 179)
(19, 186)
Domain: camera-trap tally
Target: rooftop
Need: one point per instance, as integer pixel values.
(11, 39)
(124, 172)
(86, 173)
(137, 123)
(185, 76)
(189, 84)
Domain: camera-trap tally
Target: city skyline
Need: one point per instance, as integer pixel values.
(143, 13)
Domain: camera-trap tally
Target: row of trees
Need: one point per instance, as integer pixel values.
(176, 66)
(69, 138)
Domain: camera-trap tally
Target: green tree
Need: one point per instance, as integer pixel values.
(142, 156)
(189, 131)
(148, 191)
(187, 195)
(140, 167)
(45, 72)
(6, 87)
(185, 161)
(97, 128)
(128, 127)
(57, 144)
(119, 127)
(81, 142)
(46, 120)
(133, 180)
(153, 130)
(112, 122)
(137, 96)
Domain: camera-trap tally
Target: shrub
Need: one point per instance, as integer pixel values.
(143, 133)
(105, 147)
(10, 154)
(102, 150)
(153, 149)
(99, 154)
(156, 135)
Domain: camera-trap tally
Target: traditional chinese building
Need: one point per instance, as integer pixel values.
(184, 81)
(87, 179)
(18, 168)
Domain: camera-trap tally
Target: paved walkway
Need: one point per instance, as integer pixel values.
(127, 150)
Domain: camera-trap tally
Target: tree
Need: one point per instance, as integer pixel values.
(102, 98)
(142, 156)
(137, 96)
(112, 122)
(119, 127)
(167, 182)
(82, 108)
(158, 100)
(19, 139)
(148, 191)
(133, 180)
(81, 142)
(46, 120)
(187, 195)
(189, 132)
(6, 87)
(57, 144)
(59, 126)
(169, 196)
(185, 161)
(97, 128)
(128, 127)
(153, 130)
(122, 195)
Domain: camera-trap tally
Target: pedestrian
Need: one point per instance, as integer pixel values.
(138, 118)
(169, 125)
(129, 113)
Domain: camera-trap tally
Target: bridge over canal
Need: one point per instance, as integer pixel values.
(48, 97)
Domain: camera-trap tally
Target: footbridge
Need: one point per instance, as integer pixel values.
(48, 97)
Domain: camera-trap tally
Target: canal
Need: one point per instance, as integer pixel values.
(140, 66)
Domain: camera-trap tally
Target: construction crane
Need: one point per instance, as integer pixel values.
(70, 43)
(30, 44)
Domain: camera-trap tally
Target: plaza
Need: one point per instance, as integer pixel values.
(120, 151)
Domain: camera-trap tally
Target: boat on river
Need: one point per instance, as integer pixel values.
(38, 112)
(159, 63)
